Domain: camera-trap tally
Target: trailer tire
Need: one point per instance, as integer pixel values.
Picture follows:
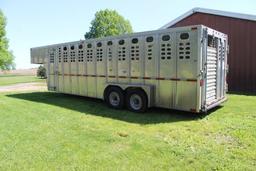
(136, 100)
(114, 97)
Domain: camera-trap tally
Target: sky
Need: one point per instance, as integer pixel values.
(32, 23)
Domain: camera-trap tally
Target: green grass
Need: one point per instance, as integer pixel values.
(49, 131)
(15, 79)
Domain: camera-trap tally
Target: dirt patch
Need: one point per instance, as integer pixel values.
(24, 87)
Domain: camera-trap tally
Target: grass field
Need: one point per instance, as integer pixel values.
(49, 131)
(15, 79)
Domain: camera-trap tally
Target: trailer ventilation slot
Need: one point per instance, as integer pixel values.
(80, 54)
(89, 53)
(135, 40)
(99, 44)
(184, 36)
(149, 39)
(110, 43)
(184, 50)
(65, 54)
(121, 53)
(51, 57)
(121, 42)
(99, 54)
(59, 54)
(149, 47)
(72, 54)
(166, 51)
(135, 53)
(166, 38)
(89, 45)
(109, 54)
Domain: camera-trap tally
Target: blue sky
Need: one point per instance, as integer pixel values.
(34, 23)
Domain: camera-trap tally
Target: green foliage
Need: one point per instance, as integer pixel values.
(6, 56)
(41, 72)
(108, 23)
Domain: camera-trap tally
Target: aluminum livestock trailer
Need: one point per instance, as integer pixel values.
(182, 68)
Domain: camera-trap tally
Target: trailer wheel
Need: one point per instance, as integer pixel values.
(114, 97)
(136, 100)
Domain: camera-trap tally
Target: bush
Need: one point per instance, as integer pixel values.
(41, 72)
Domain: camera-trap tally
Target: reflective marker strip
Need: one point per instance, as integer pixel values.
(145, 78)
(192, 80)
(158, 78)
(175, 79)
(122, 77)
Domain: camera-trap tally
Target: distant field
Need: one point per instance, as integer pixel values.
(31, 71)
(15, 79)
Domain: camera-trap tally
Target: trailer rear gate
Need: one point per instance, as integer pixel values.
(211, 85)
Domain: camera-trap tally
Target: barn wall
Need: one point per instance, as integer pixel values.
(242, 42)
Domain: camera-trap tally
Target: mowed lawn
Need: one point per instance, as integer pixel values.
(15, 79)
(50, 131)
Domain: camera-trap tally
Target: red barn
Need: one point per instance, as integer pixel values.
(241, 31)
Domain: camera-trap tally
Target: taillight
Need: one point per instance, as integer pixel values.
(201, 82)
(193, 110)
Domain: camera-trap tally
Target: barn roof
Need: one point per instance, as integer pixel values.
(210, 11)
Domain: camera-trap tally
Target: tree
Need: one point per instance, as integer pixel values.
(108, 23)
(41, 72)
(6, 56)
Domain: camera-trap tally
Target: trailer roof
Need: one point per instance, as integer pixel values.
(121, 36)
(210, 11)
(132, 34)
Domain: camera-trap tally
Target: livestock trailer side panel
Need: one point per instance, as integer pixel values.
(179, 68)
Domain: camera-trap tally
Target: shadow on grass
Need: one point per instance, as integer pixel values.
(96, 107)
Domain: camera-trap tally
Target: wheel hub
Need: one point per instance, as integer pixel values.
(135, 102)
(114, 99)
